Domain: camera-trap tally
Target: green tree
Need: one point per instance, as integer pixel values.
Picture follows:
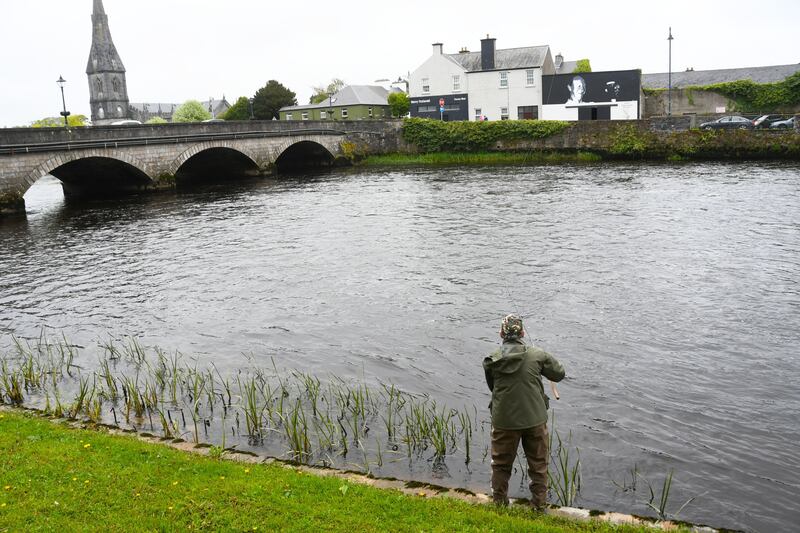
(191, 111)
(75, 121)
(323, 93)
(399, 104)
(238, 111)
(157, 120)
(582, 65)
(269, 99)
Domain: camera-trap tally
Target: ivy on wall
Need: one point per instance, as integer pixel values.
(749, 96)
(464, 136)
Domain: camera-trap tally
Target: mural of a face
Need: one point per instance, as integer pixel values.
(577, 88)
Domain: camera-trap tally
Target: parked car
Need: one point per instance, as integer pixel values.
(765, 121)
(126, 123)
(731, 122)
(787, 124)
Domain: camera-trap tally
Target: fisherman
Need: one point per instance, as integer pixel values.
(519, 410)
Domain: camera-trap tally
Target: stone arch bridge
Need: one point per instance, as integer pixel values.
(124, 159)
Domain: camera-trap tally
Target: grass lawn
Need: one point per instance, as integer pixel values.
(55, 478)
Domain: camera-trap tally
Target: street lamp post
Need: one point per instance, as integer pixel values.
(331, 100)
(669, 91)
(61, 81)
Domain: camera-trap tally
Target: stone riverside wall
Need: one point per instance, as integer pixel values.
(661, 138)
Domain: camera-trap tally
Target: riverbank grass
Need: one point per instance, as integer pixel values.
(481, 158)
(58, 478)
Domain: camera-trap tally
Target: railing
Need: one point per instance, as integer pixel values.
(14, 149)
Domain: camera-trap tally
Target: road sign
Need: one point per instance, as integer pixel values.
(441, 102)
(441, 109)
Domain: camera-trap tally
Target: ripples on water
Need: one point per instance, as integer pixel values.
(669, 292)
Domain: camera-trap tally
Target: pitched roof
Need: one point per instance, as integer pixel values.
(769, 74)
(567, 67)
(350, 95)
(506, 59)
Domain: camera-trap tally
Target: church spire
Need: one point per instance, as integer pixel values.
(107, 85)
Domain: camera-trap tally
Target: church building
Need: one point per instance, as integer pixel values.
(108, 89)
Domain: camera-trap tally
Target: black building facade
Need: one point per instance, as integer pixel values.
(456, 107)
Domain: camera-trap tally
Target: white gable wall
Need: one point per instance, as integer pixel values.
(486, 94)
(440, 71)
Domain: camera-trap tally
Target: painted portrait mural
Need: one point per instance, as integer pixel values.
(612, 95)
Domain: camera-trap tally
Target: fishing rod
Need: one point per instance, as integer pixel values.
(553, 387)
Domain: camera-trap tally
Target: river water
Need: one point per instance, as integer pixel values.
(670, 293)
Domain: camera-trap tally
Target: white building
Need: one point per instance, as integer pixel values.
(495, 84)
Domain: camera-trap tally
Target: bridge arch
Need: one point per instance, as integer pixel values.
(92, 172)
(203, 160)
(305, 152)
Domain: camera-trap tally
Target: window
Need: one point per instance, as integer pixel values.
(478, 114)
(529, 112)
(427, 109)
(323, 115)
(288, 116)
(531, 78)
(503, 113)
(344, 112)
(305, 115)
(504, 80)
(452, 108)
(456, 83)
(369, 112)
(426, 85)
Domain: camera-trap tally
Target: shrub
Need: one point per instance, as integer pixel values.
(437, 136)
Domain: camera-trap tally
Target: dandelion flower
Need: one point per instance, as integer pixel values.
(87, 445)
(421, 494)
(74, 479)
(170, 507)
(137, 494)
(86, 482)
(246, 470)
(174, 483)
(222, 477)
(3, 504)
(7, 487)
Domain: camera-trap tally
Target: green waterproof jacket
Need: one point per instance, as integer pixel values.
(514, 375)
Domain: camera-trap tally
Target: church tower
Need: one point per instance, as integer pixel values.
(108, 89)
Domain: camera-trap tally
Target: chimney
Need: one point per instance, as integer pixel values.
(464, 50)
(487, 53)
(559, 60)
(437, 49)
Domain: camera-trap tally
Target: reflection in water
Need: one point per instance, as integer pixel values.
(670, 294)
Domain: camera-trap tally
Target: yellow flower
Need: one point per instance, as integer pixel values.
(74, 479)
(174, 483)
(170, 507)
(3, 504)
(86, 482)
(87, 445)
(422, 494)
(222, 477)
(246, 470)
(7, 487)
(137, 494)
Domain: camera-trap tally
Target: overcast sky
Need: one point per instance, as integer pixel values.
(175, 50)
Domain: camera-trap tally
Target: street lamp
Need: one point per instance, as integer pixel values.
(331, 100)
(669, 91)
(61, 81)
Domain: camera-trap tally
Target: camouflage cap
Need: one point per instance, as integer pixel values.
(511, 327)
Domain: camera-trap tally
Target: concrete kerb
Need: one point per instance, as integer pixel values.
(410, 488)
